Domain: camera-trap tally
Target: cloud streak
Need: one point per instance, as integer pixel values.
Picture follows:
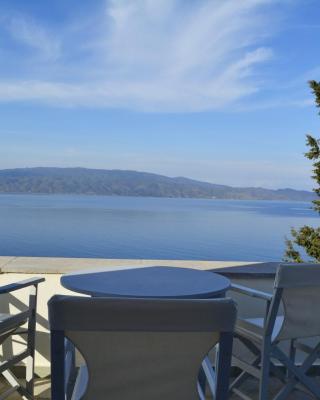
(165, 56)
(26, 32)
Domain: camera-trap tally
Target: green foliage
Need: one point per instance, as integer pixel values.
(308, 238)
(315, 87)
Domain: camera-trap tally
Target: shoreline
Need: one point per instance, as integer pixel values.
(40, 194)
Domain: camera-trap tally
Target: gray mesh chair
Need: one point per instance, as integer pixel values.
(139, 349)
(297, 289)
(12, 324)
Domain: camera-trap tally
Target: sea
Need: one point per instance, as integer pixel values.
(148, 228)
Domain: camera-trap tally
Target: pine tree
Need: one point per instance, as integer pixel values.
(308, 238)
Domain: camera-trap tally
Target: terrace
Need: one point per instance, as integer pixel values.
(258, 276)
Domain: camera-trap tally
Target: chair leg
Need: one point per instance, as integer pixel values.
(31, 340)
(243, 376)
(30, 375)
(200, 392)
(57, 365)
(223, 364)
(13, 381)
(209, 375)
(292, 356)
(298, 374)
(265, 370)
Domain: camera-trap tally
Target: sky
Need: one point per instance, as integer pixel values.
(215, 90)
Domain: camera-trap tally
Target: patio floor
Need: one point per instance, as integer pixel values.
(250, 388)
(42, 389)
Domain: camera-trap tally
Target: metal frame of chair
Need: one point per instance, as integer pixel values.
(12, 324)
(146, 349)
(297, 288)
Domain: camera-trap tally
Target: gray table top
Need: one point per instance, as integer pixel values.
(147, 282)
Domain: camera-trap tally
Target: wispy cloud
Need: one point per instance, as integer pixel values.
(31, 34)
(169, 55)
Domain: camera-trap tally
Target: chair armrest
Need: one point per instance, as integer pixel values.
(20, 285)
(251, 292)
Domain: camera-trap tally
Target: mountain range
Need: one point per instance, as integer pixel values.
(49, 180)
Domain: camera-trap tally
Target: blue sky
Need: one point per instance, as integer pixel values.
(210, 89)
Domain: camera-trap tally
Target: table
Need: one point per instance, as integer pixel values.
(148, 282)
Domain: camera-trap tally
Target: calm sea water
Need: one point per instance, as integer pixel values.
(152, 228)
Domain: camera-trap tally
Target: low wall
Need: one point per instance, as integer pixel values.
(13, 269)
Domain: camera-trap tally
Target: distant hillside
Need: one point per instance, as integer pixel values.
(130, 183)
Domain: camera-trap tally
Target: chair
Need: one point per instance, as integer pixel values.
(139, 349)
(297, 289)
(12, 324)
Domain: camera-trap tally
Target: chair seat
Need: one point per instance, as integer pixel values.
(253, 328)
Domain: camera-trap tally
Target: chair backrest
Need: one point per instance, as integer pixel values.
(298, 286)
(141, 348)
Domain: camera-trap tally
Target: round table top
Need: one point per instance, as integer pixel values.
(148, 282)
